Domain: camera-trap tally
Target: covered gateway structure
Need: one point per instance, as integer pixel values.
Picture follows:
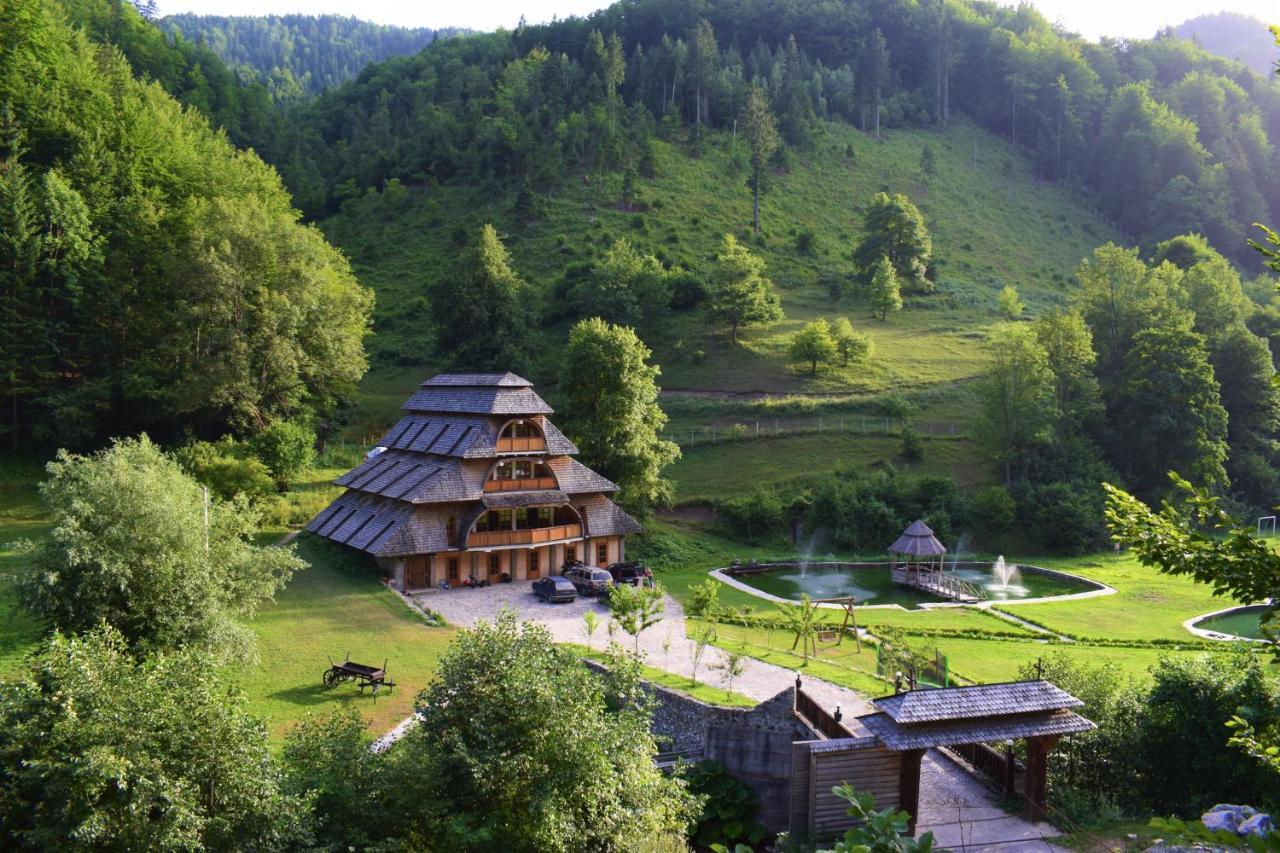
(476, 482)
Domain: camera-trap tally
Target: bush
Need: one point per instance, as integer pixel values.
(806, 242)
(286, 448)
(754, 516)
(704, 598)
(687, 290)
(728, 812)
(994, 509)
(226, 469)
(911, 446)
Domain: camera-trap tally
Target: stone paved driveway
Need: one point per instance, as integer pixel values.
(957, 808)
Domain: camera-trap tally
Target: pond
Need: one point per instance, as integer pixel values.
(872, 584)
(1243, 622)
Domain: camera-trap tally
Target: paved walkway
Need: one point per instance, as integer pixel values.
(956, 807)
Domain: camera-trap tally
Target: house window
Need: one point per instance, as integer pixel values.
(495, 563)
(451, 531)
(602, 553)
(453, 568)
(533, 564)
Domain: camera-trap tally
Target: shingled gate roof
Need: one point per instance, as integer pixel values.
(918, 541)
(981, 700)
(983, 730)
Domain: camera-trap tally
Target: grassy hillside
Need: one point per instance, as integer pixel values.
(993, 223)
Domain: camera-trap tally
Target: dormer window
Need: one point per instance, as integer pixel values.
(521, 436)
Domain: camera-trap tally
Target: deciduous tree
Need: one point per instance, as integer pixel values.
(100, 749)
(1016, 395)
(893, 228)
(852, 346)
(522, 747)
(136, 544)
(814, 343)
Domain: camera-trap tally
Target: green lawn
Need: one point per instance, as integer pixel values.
(336, 606)
(1147, 605)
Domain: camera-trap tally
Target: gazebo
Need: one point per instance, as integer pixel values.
(917, 551)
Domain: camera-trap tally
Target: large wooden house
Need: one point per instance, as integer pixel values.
(475, 482)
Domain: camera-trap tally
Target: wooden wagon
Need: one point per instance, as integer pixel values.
(363, 674)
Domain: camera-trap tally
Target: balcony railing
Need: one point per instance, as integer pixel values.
(521, 485)
(536, 444)
(537, 536)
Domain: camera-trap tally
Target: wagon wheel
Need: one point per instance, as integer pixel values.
(330, 678)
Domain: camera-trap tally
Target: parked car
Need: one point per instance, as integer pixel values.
(588, 581)
(554, 589)
(633, 572)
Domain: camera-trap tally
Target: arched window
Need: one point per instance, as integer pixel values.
(521, 436)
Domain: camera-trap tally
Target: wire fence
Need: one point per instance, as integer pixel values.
(760, 428)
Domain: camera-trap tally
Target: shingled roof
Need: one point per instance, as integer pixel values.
(478, 393)
(981, 700)
(918, 541)
(413, 477)
(477, 380)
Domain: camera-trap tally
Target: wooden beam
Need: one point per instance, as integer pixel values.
(1035, 786)
(909, 785)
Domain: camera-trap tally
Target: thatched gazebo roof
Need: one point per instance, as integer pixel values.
(918, 541)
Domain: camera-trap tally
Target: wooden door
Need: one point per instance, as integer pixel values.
(535, 564)
(415, 573)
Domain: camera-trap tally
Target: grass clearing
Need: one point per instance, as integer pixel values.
(337, 605)
(1147, 605)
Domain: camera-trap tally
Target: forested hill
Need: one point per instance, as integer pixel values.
(1234, 36)
(152, 276)
(1162, 136)
(297, 55)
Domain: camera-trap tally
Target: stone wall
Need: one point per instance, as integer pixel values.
(754, 744)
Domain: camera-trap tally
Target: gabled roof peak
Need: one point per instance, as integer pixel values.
(477, 380)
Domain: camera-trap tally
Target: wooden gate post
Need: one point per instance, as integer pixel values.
(1035, 787)
(909, 785)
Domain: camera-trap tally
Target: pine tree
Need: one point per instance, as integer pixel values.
(481, 309)
(741, 295)
(613, 413)
(883, 292)
(762, 135)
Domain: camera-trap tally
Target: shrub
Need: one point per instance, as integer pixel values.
(728, 812)
(806, 242)
(226, 469)
(911, 445)
(994, 509)
(286, 448)
(756, 515)
(704, 598)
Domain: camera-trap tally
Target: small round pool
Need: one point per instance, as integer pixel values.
(872, 583)
(1243, 623)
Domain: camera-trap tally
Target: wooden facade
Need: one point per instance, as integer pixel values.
(476, 484)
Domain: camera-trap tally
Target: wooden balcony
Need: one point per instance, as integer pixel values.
(537, 536)
(536, 444)
(527, 484)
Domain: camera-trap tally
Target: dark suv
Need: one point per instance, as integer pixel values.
(633, 572)
(588, 581)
